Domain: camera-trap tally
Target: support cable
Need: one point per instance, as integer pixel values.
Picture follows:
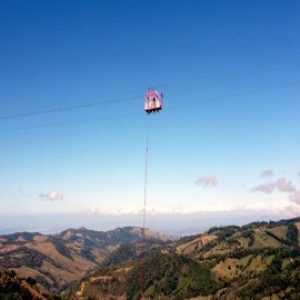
(141, 271)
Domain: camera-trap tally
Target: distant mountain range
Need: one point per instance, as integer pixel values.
(260, 260)
(57, 261)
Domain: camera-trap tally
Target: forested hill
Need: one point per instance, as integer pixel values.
(12, 287)
(256, 261)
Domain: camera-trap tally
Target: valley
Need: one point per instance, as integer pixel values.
(255, 261)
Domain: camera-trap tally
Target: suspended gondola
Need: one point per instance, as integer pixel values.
(153, 101)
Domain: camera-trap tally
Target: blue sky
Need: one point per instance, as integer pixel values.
(229, 71)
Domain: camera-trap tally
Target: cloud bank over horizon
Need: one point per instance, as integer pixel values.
(274, 198)
(175, 223)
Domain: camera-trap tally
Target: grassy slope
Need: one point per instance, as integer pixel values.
(56, 261)
(241, 260)
(251, 262)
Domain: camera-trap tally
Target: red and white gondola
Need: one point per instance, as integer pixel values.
(153, 101)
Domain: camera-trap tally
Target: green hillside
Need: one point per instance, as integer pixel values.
(256, 261)
(260, 260)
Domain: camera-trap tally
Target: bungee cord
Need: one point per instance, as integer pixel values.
(143, 241)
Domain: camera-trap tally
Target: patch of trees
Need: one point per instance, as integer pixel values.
(11, 287)
(292, 233)
(254, 225)
(223, 232)
(21, 257)
(27, 236)
(51, 276)
(62, 248)
(87, 254)
(273, 224)
(241, 253)
(273, 280)
(122, 254)
(248, 234)
(172, 275)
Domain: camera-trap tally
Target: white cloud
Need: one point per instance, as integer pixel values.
(284, 185)
(51, 196)
(206, 181)
(265, 188)
(281, 184)
(267, 173)
(295, 197)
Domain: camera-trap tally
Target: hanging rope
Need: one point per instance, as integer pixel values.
(146, 179)
(143, 241)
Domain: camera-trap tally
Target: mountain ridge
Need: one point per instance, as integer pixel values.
(258, 260)
(55, 261)
(255, 261)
